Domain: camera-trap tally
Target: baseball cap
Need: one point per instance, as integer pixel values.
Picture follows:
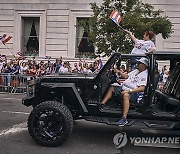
(143, 60)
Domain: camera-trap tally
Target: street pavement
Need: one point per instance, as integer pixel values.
(86, 138)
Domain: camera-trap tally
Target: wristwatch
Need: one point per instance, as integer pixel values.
(130, 90)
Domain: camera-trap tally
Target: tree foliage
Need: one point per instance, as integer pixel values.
(136, 17)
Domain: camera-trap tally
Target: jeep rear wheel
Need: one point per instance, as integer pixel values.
(50, 123)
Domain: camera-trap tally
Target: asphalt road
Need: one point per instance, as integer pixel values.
(86, 138)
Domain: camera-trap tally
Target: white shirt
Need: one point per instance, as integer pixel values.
(135, 80)
(63, 69)
(1, 66)
(23, 69)
(142, 46)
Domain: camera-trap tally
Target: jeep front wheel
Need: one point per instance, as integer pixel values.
(50, 123)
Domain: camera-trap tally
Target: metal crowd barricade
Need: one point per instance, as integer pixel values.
(11, 83)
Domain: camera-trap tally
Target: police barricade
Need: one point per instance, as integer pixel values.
(11, 83)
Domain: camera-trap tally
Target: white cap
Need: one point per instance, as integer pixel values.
(143, 60)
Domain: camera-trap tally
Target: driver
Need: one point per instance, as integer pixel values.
(131, 89)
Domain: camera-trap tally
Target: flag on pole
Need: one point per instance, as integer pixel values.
(115, 16)
(5, 39)
(21, 55)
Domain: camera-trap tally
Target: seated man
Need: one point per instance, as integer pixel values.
(131, 89)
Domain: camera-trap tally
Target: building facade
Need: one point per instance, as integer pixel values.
(48, 27)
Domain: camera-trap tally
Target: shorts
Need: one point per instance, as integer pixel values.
(134, 97)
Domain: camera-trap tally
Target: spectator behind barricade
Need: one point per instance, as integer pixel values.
(5, 59)
(33, 61)
(80, 67)
(1, 65)
(75, 68)
(91, 66)
(87, 69)
(10, 62)
(64, 68)
(57, 65)
(96, 67)
(49, 68)
(24, 68)
(165, 75)
(29, 62)
(32, 70)
(69, 67)
(7, 68)
(162, 72)
(41, 71)
(15, 68)
(99, 62)
(85, 65)
(7, 76)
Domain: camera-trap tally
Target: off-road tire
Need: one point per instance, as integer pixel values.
(50, 123)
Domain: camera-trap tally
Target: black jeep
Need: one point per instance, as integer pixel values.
(59, 100)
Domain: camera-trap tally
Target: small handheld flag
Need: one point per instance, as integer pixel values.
(115, 16)
(21, 55)
(5, 39)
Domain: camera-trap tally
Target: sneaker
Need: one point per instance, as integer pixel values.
(122, 122)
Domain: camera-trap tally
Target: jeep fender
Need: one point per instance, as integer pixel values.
(72, 87)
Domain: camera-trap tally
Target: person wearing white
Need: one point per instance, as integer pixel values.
(63, 69)
(135, 79)
(131, 89)
(141, 46)
(1, 65)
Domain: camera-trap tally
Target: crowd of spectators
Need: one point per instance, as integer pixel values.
(47, 66)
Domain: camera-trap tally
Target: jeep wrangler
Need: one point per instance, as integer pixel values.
(58, 100)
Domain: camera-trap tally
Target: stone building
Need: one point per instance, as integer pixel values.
(48, 27)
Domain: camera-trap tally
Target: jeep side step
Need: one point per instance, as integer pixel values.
(106, 120)
(160, 124)
(142, 123)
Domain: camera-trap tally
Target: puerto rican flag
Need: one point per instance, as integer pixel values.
(5, 39)
(21, 55)
(115, 16)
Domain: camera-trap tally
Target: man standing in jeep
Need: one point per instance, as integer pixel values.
(131, 89)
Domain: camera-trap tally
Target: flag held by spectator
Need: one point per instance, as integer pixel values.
(21, 55)
(5, 39)
(115, 16)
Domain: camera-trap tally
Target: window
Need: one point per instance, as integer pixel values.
(30, 36)
(84, 46)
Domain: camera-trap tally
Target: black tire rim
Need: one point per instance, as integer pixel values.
(49, 125)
